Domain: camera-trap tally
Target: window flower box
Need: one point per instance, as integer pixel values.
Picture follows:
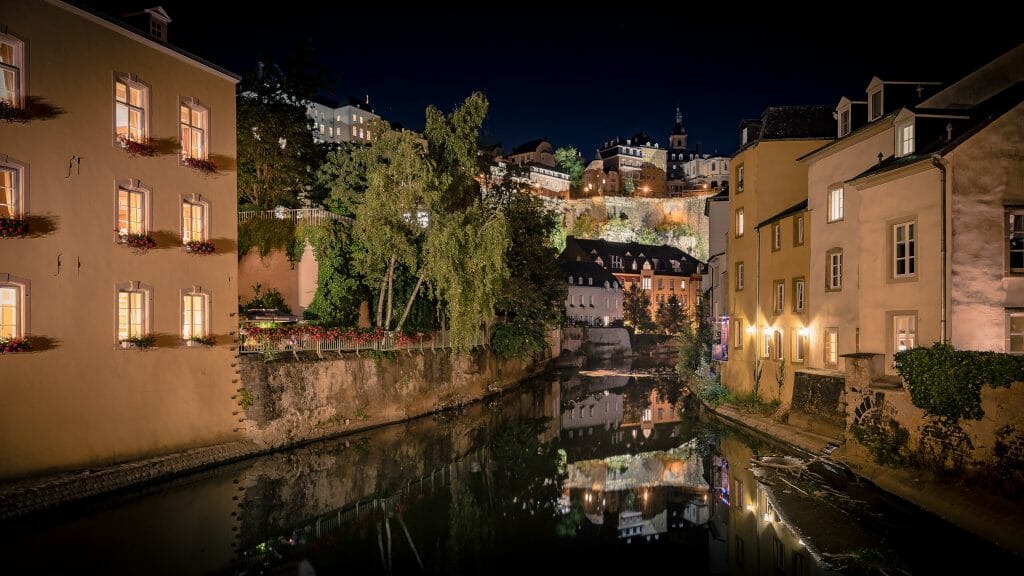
(200, 247)
(203, 165)
(138, 342)
(14, 345)
(13, 114)
(138, 147)
(140, 242)
(13, 227)
(195, 341)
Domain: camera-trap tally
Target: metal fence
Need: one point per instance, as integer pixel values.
(313, 216)
(386, 342)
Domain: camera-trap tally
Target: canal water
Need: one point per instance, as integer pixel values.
(597, 470)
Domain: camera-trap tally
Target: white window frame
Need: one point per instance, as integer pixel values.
(766, 343)
(17, 325)
(143, 108)
(905, 139)
(645, 283)
(188, 129)
(190, 316)
(778, 342)
(830, 347)
(189, 206)
(132, 191)
(799, 240)
(739, 222)
(875, 110)
(834, 270)
(799, 346)
(844, 122)
(799, 294)
(14, 206)
(780, 296)
(739, 177)
(904, 332)
(777, 236)
(909, 246)
(739, 334)
(1015, 235)
(126, 327)
(16, 69)
(835, 203)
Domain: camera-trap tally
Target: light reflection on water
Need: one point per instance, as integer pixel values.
(607, 468)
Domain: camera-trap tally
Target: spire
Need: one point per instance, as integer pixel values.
(679, 114)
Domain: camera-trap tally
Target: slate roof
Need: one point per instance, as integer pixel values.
(587, 270)
(661, 258)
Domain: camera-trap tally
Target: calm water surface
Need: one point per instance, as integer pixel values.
(602, 470)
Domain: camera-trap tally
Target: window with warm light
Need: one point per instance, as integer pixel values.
(131, 314)
(766, 343)
(799, 345)
(193, 221)
(1015, 331)
(798, 231)
(12, 67)
(905, 139)
(194, 315)
(131, 101)
(798, 295)
(11, 324)
(646, 283)
(194, 119)
(904, 332)
(835, 204)
(131, 211)
(11, 191)
(739, 222)
(739, 178)
(904, 254)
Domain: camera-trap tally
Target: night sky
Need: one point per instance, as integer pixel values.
(581, 76)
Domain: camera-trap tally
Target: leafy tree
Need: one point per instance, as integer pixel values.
(276, 150)
(339, 290)
(585, 226)
(533, 297)
(671, 315)
(343, 176)
(646, 235)
(627, 185)
(636, 308)
(570, 160)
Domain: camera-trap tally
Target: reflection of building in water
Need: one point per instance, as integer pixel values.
(653, 409)
(643, 495)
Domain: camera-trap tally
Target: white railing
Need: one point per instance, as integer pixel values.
(313, 216)
(386, 342)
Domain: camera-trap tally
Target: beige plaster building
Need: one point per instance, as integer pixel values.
(767, 251)
(82, 284)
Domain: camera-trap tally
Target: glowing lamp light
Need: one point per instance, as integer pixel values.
(750, 507)
(768, 330)
(751, 329)
(804, 332)
(767, 517)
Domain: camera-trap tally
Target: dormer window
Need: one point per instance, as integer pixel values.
(743, 137)
(570, 279)
(905, 139)
(875, 105)
(590, 281)
(844, 122)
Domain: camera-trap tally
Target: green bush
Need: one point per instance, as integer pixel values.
(887, 443)
(269, 300)
(517, 339)
(947, 382)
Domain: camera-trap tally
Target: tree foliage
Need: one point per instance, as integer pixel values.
(570, 160)
(671, 316)
(339, 289)
(276, 150)
(636, 308)
(343, 176)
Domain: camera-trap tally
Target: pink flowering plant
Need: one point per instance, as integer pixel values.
(200, 247)
(141, 242)
(13, 227)
(13, 345)
(200, 164)
(137, 147)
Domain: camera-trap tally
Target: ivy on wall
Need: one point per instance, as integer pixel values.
(947, 382)
(269, 235)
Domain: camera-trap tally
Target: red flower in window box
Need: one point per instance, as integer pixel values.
(138, 147)
(200, 164)
(13, 345)
(200, 247)
(140, 242)
(139, 342)
(13, 227)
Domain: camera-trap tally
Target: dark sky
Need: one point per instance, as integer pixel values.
(581, 76)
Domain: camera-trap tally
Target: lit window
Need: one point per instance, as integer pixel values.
(354, 118)
(831, 341)
(194, 324)
(780, 296)
(904, 250)
(11, 193)
(646, 283)
(193, 221)
(739, 222)
(737, 330)
(1016, 242)
(766, 347)
(1015, 327)
(131, 211)
(799, 346)
(11, 324)
(835, 204)
(739, 276)
(193, 120)
(835, 269)
(798, 234)
(777, 343)
(739, 177)
(904, 329)
(905, 140)
(131, 100)
(131, 314)
(361, 133)
(12, 65)
(798, 295)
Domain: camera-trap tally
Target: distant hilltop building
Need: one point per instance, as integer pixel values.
(335, 122)
(534, 164)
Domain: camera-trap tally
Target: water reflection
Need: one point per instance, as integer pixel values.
(607, 468)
